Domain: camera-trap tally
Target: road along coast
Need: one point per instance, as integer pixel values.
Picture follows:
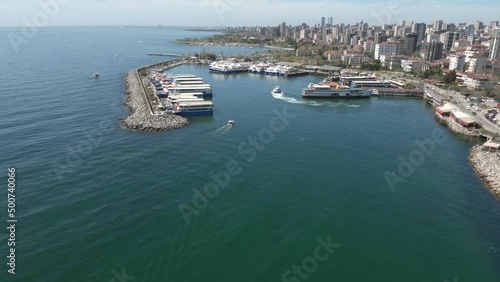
(141, 106)
(487, 166)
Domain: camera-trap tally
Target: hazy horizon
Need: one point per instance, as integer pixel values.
(223, 13)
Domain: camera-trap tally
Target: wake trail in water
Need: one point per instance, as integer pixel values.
(291, 100)
(222, 130)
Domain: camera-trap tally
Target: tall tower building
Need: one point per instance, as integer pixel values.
(419, 29)
(438, 25)
(434, 51)
(322, 22)
(495, 44)
(330, 21)
(410, 43)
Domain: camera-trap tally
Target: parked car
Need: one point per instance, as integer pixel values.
(474, 113)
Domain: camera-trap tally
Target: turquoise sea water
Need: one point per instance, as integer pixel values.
(113, 207)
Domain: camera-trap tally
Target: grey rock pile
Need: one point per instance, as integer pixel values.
(140, 118)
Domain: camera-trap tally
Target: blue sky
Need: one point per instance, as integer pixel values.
(240, 12)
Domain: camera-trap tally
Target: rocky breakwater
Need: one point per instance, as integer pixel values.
(140, 117)
(487, 166)
(457, 128)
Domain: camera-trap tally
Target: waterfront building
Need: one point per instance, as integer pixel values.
(412, 65)
(457, 63)
(355, 59)
(494, 53)
(386, 48)
(478, 82)
(333, 56)
(392, 61)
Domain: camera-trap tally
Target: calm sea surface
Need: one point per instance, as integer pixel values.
(96, 202)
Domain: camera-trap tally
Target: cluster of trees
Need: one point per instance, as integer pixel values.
(375, 65)
(203, 55)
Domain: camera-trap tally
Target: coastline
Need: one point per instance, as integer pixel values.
(141, 116)
(486, 164)
(456, 128)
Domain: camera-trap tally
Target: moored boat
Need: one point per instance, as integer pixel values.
(340, 91)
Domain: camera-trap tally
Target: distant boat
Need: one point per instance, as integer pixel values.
(277, 90)
(97, 75)
(230, 122)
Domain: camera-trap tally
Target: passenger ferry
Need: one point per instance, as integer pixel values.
(194, 108)
(205, 89)
(341, 91)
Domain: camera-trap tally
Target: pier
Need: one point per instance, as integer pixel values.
(143, 106)
(167, 55)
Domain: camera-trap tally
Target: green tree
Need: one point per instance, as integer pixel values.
(450, 77)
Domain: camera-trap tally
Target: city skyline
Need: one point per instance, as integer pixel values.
(241, 13)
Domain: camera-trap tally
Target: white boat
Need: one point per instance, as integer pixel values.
(194, 108)
(230, 122)
(97, 75)
(277, 90)
(341, 91)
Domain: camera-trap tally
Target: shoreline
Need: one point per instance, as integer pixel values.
(141, 116)
(456, 128)
(486, 165)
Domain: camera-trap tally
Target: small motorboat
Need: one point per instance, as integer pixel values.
(97, 75)
(230, 122)
(277, 90)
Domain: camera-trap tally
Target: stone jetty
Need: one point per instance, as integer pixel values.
(141, 116)
(487, 166)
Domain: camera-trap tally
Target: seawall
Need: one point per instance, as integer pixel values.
(142, 114)
(487, 166)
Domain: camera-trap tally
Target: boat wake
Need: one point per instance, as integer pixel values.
(222, 130)
(291, 100)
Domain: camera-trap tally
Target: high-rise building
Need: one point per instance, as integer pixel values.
(469, 30)
(494, 24)
(419, 29)
(410, 43)
(330, 21)
(495, 44)
(438, 25)
(448, 38)
(434, 51)
(479, 25)
(322, 22)
(283, 29)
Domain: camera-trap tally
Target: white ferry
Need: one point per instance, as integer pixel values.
(194, 108)
(341, 91)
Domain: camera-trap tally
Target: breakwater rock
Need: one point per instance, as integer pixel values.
(487, 166)
(457, 128)
(140, 117)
